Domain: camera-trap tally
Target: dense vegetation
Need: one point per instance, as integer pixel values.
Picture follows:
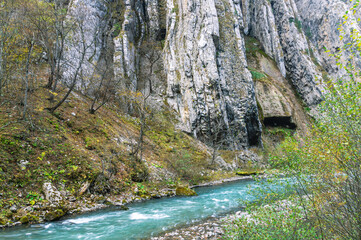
(322, 168)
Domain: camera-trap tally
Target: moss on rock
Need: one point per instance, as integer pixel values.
(2, 221)
(24, 219)
(249, 173)
(184, 191)
(54, 215)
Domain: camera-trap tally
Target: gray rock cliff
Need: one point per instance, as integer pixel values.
(203, 71)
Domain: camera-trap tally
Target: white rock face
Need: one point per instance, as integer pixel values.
(263, 27)
(321, 27)
(299, 65)
(203, 70)
(207, 76)
(85, 41)
(272, 101)
(51, 193)
(125, 44)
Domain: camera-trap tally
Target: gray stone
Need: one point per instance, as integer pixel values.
(72, 199)
(84, 188)
(13, 208)
(51, 193)
(23, 164)
(222, 164)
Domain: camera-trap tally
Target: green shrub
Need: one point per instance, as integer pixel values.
(281, 220)
(257, 75)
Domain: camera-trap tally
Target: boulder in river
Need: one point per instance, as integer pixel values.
(185, 191)
(249, 172)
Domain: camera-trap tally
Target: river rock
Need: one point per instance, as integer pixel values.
(72, 199)
(13, 208)
(2, 221)
(54, 215)
(24, 220)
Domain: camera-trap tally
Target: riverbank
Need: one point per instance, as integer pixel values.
(151, 217)
(222, 181)
(68, 207)
(210, 229)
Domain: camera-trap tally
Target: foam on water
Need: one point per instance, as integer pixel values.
(140, 216)
(83, 220)
(47, 226)
(220, 200)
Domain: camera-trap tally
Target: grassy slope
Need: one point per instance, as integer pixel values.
(73, 146)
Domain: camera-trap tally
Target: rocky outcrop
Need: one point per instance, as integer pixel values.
(203, 72)
(272, 101)
(322, 29)
(51, 193)
(262, 25)
(299, 66)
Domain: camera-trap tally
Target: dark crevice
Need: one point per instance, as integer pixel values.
(285, 122)
(162, 33)
(253, 130)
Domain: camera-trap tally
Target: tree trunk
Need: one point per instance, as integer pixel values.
(74, 80)
(52, 72)
(27, 77)
(1, 66)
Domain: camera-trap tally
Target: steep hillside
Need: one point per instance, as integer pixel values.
(93, 160)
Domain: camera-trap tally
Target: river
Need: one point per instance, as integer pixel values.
(142, 220)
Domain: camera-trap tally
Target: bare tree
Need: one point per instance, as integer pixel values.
(60, 28)
(150, 52)
(103, 83)
(30, 47)
(7, 32)
(82, 46)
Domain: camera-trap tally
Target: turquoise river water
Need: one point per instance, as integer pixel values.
(142, 220)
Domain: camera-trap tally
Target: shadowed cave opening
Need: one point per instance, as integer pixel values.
(285, 122)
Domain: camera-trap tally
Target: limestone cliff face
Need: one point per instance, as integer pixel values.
(87, 41)
(207, 76)
(322, 25)
(206, 62)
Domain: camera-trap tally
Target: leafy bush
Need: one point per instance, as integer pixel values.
(282, 220)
